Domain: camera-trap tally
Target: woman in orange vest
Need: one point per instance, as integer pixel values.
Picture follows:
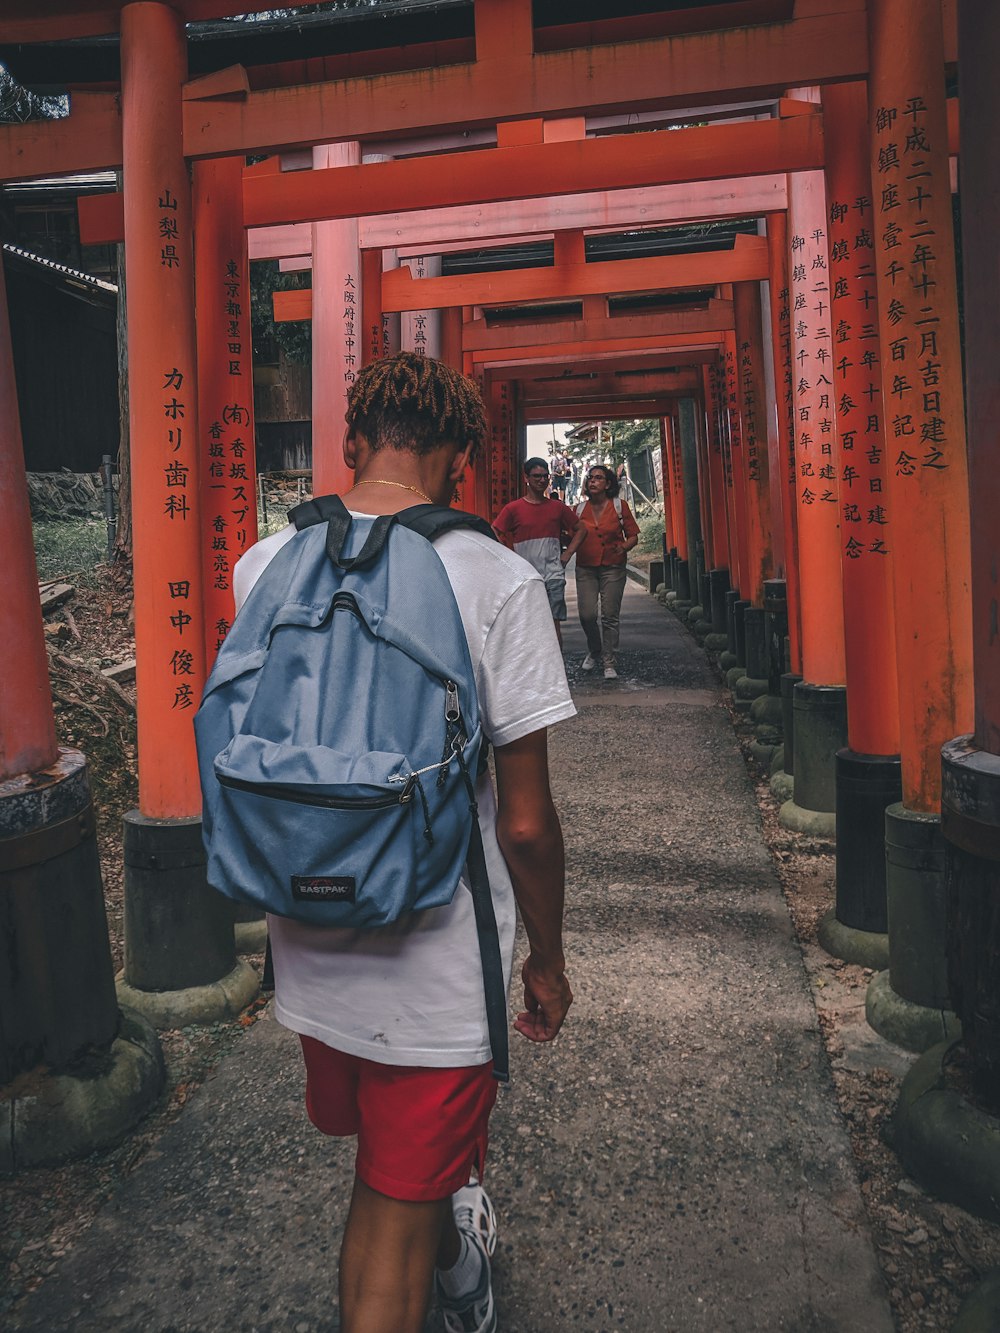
(611, 532)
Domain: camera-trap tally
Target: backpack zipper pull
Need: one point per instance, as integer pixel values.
(452, 712)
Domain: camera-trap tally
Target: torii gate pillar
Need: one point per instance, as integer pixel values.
(928, 494)
(58, 1009)
(180, 959)
(718, 575)
(971, 777)
(785, 489)
(337, 331)
(819, 699)
(868, 769)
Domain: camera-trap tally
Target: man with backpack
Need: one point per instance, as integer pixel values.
(396, 1026)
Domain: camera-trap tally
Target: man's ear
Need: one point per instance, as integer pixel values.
(350, 448)
(459, 463)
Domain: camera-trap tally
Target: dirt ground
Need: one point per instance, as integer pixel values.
(932, 1254)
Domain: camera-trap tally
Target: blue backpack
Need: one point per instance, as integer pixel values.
(339, 737)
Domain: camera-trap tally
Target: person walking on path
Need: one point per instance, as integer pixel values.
(536, 527)
(610, 532)
(560, 475)
(392, 1020)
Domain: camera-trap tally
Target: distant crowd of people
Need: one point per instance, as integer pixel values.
(599, 530)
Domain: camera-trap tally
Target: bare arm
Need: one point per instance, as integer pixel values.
(576, 541)
(531, 841)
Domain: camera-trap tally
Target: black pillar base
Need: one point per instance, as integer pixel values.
(775, 632)
(57, 990)
(820, 730)
(718, 582)
(970, 824)
(756, 643)
(740, 629)
(76, 1073)
(911, 1005)
(866, 784)
(682, 583)
(788, 683)
(180, 954)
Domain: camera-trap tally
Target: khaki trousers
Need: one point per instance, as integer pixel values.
(607, 583)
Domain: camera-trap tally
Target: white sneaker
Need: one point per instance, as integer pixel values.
(476, 1220)
(588, 663)
(610, 673)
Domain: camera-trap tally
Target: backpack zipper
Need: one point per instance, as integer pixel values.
(326, 802)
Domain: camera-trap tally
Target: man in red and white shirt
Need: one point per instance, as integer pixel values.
(535, 527)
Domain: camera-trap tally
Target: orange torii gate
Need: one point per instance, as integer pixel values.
(522, 80)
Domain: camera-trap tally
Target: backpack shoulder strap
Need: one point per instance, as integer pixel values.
(580, 508)
(331, 510)
(431, 521)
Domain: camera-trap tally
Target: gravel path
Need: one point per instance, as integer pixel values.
(676, 1162)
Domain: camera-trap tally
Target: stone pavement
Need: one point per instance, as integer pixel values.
(676, 1162)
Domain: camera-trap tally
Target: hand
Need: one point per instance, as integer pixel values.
(564, 558)
(547, 998)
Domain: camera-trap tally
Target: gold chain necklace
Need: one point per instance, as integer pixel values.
(377, 481)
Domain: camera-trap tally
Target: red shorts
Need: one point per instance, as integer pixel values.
(420, 1131)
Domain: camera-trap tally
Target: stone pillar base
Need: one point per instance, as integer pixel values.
(55, 1117)
(814, 823)
(980, 1311)
(763, 753)
(716, 643)
(727, 660)
(211, 1003)
(251, 936)
(949, 1145)
(866, 948)
(750, 688)
(767, 710)
(915, 1027)
(782, 787)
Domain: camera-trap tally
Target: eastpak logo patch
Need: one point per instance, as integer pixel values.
(323, 888)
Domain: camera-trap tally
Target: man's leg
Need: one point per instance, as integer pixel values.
(556, 590)
(586, 593)
(387, 1260)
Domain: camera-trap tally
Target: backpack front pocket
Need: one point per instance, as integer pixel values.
(323, 850)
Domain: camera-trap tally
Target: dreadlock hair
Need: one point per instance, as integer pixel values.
(415, 404)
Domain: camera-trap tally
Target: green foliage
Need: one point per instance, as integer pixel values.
(651, 533)
(18, 105)
(71, 547)
(631, 437)
(294, 339)
(619, 440)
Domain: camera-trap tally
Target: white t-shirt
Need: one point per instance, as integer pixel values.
(412, 993)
